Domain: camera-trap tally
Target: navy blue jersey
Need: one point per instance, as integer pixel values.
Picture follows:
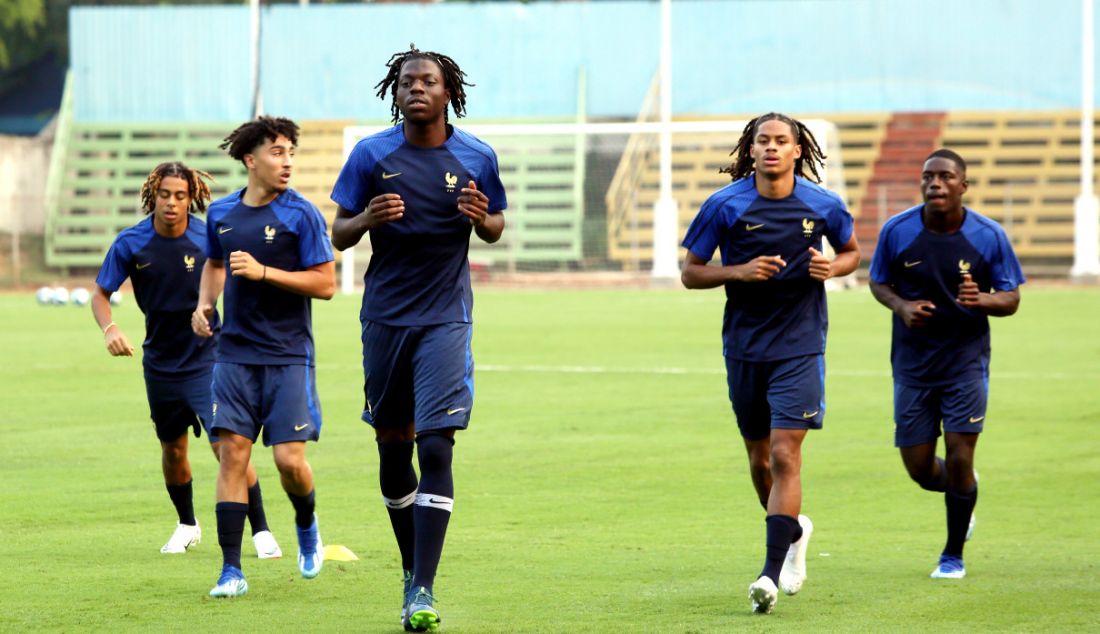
(785, 316)
(266, 325)
(419, 273)
(165, 273)
(919, 264)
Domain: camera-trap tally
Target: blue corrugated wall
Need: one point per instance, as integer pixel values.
(322, 61)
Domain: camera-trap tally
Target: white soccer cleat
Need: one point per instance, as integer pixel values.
(183, 538)
(763, 595)
(266, 546)
(793, 574)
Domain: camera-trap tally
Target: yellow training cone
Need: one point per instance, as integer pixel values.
(335, 552)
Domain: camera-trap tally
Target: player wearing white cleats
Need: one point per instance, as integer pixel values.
(266, 546)
(793, 574)
(763, 595)
(184, 537)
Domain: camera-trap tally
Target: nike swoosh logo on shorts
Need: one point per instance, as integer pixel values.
(386, 176)
(810, 414)
(977, 419)
(456, 410)
(300, 427)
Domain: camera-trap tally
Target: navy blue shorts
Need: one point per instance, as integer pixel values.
(418, 374)
(918, 411)
(176, 406)
(280, 400)
(786, 394)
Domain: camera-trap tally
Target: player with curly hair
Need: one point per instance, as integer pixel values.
(163, 257)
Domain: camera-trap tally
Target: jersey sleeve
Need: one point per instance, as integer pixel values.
(1007, 273)
(704, 232)
(113, 271)
(489, 183)
(314, 246)
(880, 261)
(352, 188)
(213, 245)
(839, 225)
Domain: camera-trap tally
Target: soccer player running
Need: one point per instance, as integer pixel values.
(943, 270)
(768, 225)
(163, 256)
(418, 189)
(268, 248)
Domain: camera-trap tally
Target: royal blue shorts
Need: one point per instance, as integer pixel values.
(176, 406)
(279, 400)
(786, 394)
(918, 411)
(418, 374)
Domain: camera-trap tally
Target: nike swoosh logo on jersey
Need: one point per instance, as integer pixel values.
(749, 227)
(810, 414)
(386, 176)
(224, 230)
(456, 410)
(300, 427)
(140, 265)
(910, 265)
(977, 419)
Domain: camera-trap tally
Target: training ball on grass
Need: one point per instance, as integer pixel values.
(60, 295)
(116, 298)
(80, 296)
(44, 295)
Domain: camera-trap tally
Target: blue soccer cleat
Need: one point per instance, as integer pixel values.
(950, 567)
(230, 584)
(311, 553)
(421, 615)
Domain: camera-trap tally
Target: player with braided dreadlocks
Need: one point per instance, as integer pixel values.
(163, 256)
(418, 189)
(768, 225)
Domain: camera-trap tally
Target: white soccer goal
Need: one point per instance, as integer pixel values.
(581, 196)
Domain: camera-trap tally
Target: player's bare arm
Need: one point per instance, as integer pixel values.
(348, 227)
(697, 274)
(997, 304)
(846, 261)
(210, 287)
(914, 313)
(113, 338)
(318, 281)
(474, 205)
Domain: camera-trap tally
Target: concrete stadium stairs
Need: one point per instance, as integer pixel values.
(895, 176)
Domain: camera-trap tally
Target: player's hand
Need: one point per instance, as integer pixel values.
(117, 343)
(200, 320)
(384, 208)
(916, 313)
(821, 267)
(473, 204)
(242, 264)
(969, 295)
(761, 268)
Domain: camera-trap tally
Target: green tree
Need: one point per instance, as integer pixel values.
(20, 23)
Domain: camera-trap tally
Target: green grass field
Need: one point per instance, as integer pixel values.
(601, 487)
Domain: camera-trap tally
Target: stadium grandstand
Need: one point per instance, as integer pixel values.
(584, 202)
